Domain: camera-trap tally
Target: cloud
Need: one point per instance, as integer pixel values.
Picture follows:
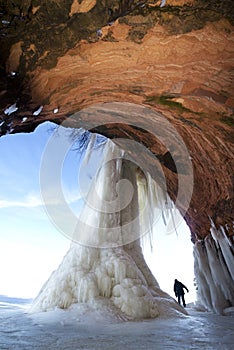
(30, 201)
(33, 200)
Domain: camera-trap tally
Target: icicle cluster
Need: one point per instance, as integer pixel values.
(107, 263)
(214, 271)
(154, 204)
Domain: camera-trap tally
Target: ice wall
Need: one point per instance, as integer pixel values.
(214, 271)
(105, 262)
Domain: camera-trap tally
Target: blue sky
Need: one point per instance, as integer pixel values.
(31, 247)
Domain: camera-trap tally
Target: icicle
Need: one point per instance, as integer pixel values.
(173, 221)
(221, 238)
(87, 288)
(88, 151)
(157, 204)
(220, 278)
(201, 270)
(215, 285)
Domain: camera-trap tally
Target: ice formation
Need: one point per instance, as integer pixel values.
(214, 271)
(13, 108)
(105, 261)
(163, 3)
(38, 111)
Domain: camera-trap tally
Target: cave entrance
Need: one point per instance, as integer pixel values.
(130, 273)
(171, 256)
(122, 203)
(156, 147)
(168, 251)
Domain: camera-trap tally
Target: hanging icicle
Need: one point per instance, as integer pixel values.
(213, 270)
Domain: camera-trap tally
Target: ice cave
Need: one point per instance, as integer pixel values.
(105, 266)
(157, 82)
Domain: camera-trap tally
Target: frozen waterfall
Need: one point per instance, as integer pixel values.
(105, 264)
(214, 271)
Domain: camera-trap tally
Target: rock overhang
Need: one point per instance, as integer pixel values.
(176, 61)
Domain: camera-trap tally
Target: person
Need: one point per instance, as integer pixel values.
(179, 291)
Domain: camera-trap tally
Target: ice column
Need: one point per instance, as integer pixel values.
(106, 263)
(213, 266)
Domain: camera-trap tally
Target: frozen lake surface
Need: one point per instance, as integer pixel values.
(72, 330)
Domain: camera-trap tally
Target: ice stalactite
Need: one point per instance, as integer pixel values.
(105, 262)
(213, 267)
(226, 247)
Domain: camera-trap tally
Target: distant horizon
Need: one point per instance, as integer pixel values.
(5, 298)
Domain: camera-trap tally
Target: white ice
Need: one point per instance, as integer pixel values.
(84, 328)
(213, 267)
(13, 108)
(106, 264)
(163, 3)
(38, 111)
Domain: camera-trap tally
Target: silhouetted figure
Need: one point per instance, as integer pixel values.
(179, 291)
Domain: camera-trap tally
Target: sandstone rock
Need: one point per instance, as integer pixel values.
(177, 60)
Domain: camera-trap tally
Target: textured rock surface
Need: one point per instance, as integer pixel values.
(178, 60)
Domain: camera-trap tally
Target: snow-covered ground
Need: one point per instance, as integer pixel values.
(81, 329)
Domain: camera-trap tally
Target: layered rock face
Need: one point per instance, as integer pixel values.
(177, 60)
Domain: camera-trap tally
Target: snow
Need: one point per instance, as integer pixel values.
(84, 328)
(163, 3)
(38, 111)
(13, 108)
(99, 32)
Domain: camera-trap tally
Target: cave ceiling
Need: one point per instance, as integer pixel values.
(176, 60)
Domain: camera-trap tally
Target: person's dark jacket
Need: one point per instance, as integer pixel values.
(179, 288)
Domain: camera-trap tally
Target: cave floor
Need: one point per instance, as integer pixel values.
(55, 330)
